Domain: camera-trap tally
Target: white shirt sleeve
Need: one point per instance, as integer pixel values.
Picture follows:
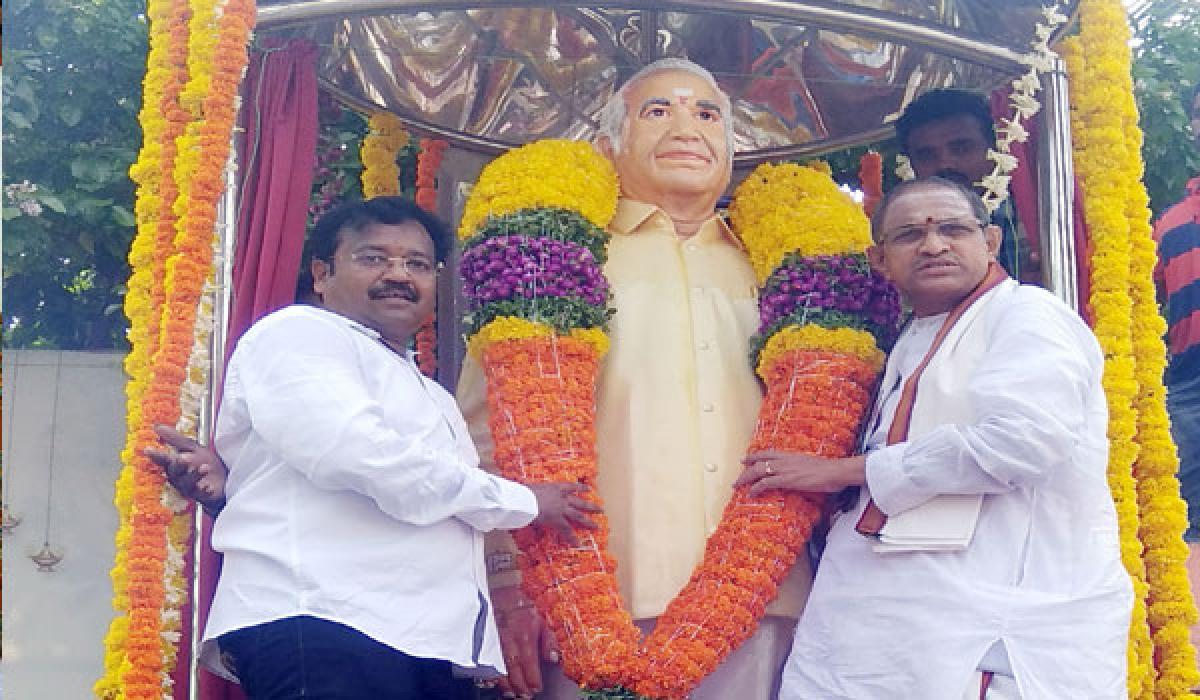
(1030, 398)
(305, 389)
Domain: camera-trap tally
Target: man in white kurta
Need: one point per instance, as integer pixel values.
(1009, 405)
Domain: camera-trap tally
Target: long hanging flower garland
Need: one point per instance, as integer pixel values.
(1116, 139)
(381, 174)
(532, 274)
(1096, 150)
(162, 122)
(824, 318)
(1024, 103)
(429, 160)
(1170, 609)
(142, 644)
(531, 267)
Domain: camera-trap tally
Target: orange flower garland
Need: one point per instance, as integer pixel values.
(542, 416)
(870, 174)
(163, 121)
(142, 644)
(541, 386)
(429, 160)
(818, 382)
(813, 404)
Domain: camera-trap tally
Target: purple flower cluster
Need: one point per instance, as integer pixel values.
(843, 283)
(521, 267)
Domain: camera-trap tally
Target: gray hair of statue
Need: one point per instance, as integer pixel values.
(613, 117)
(978, 208)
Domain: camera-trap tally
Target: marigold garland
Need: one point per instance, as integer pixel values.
(544, 174)
(180, 174)
(870, 174)
(1095, 156)
(818, 387)
(808, 204)
(532, 278)
(541, 378)
(1162, 661)
(162, 122)
(381, 174)
(429, 160)
(1170, 610)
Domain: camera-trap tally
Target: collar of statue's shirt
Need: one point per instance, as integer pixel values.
(633, 217)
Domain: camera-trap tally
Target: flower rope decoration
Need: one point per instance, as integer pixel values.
(1095, 154)
(1024, 102)
(533, 248)
(429, 160)
(181, 169)
(870, 174)
(162, 122)
(533, 277)
(1108, 147)
(821, 309)
(381, 174)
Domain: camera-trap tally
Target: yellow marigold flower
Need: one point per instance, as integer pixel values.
(861, 344)
(506, 328)
(549, 173)
(595, 337)
(511, 327)
(779, 209)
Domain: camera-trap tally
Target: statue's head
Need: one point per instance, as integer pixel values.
(669, 133)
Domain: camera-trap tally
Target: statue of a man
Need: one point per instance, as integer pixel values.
(677, 399)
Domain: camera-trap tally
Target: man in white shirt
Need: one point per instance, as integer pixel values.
(352, 533)
(994, 389)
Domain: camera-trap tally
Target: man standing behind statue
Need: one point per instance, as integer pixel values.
(993, 393)
(676, 398)
(948, 132)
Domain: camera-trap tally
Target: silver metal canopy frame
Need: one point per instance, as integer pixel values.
(859, 20)
(1056, 189)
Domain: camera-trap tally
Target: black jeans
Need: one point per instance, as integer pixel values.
(306, 657)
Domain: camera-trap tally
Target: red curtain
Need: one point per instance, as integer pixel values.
(276, 162)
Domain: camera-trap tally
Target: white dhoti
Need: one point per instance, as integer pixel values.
(751, 672)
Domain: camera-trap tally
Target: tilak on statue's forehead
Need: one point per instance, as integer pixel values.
(683, 93)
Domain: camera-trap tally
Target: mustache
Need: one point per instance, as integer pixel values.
(400, 289)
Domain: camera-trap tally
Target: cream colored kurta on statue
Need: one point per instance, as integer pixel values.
(677, 401)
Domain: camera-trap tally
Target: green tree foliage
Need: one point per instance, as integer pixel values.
(72, 90)
(1166, 67)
